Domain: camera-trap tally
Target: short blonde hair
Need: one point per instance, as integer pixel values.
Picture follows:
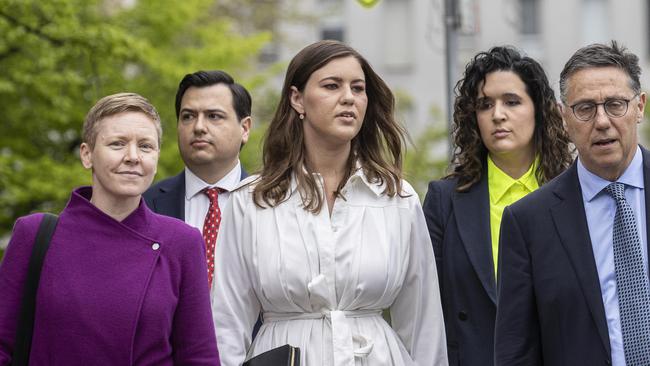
(111, 105)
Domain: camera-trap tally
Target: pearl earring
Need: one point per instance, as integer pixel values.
(301, 116)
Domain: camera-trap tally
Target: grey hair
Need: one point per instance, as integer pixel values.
(601, 55)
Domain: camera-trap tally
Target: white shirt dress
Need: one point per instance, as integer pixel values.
(322, 282)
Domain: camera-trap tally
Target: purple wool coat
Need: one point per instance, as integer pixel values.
(111, 293)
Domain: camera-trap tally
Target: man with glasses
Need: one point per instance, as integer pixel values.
(573, 283)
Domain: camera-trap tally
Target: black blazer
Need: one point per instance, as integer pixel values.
(550, 304)
(167, 197)
(459, 226)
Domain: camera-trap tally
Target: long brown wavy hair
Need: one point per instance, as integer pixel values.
(377, 146)
(551, 142)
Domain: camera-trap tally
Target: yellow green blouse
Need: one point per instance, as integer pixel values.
(505, 191)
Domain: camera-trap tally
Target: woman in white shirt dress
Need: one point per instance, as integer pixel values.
(328, 235)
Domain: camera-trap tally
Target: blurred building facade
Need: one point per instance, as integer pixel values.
(404, 39)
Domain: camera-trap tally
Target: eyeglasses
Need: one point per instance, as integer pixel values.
(616, 107)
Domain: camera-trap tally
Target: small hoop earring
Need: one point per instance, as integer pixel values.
(301, 116)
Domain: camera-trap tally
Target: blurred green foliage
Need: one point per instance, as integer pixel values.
(426, 154)
(60, 56)
(425, 160)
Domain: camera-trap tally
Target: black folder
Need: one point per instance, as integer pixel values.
(282, 356)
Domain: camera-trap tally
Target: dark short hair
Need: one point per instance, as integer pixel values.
(602, 55)
(241, 99)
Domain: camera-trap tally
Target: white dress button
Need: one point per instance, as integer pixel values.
(155, 246)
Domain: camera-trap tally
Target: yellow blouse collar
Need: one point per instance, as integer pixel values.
(500, 182)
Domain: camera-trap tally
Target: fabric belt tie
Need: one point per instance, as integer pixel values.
(342, 337)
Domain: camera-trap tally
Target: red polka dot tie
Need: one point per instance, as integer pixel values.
(211, 228)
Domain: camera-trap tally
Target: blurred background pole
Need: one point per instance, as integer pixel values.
(452, 23)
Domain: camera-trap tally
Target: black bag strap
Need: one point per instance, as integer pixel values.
(25, 326)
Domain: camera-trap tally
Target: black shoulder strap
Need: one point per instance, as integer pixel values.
(25, 326)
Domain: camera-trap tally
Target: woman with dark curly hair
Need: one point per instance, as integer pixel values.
(509, 139)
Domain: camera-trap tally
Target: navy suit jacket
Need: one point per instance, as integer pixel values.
(550, 304)
(459, 226)
(167, 197)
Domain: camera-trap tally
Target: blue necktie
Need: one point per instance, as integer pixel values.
(631, 281)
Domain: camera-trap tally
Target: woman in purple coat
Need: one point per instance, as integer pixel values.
(120, 285)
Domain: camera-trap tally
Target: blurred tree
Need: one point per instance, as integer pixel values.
(59, 56)
(426, 155)
(264, 104)
(426, 160)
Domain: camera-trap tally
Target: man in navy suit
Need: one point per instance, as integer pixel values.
(564, 279)
(214, 121)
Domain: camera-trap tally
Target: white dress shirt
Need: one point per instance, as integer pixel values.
(321, 281)
(197, 202)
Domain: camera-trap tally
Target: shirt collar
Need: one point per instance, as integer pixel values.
(358, 176)
(194, 184)
(592, 184)
(499, 182)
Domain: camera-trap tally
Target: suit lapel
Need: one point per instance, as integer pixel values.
(646, 191)
(571, 223)
(171, 201)
(472, 211)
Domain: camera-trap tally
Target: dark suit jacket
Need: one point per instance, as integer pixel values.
(550, 304)
(459, 226)
(167, 197)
